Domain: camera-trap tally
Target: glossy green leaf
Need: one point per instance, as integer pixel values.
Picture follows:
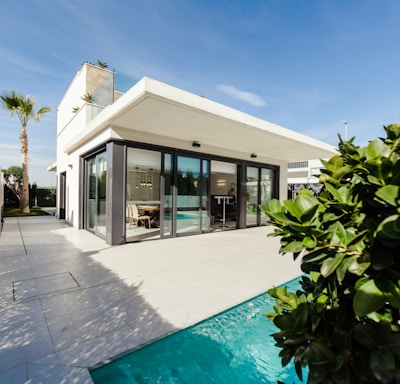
(329, 265)
(321, 354)
(276, 206)
(358, 237)
(341, 270)
(284, 322)
(396, 173)
(309, 241)
(333, 164)
(374, 180)
(300, 205)
(390, 228)
(392, 131)
(338, 234)
(377, 148)
(301, 316)
(334, 191)
(330, 216)
(317, 254)
(309, 214)
(383, 364)
(293, 247)
(368, 299)
(341, 172)
(365, 334)
(391, 290)
(380, 168)
(357, 268)
(390, 194)
(288, 298)
(279, 217)
(320, 303)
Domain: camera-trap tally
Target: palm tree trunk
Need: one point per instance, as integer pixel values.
(24, 202)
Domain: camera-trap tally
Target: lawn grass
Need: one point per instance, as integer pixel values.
(15, 212)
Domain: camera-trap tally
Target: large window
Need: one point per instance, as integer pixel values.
(185, 209)
(168, 200)
(96, 176)
(171, 194)
(142, 194)
(188, 217)
(259, 190)
(223, 193)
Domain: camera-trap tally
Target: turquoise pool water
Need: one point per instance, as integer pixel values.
(232, 347)
(182, 216)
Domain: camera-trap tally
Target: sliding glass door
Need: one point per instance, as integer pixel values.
(223, 195)
(252, 196)
(259, 190)
(188, 202)
(143, 189)
(96, 174)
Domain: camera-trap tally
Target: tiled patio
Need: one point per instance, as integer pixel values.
(69, 301)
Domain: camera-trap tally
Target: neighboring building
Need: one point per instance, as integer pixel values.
(187, 164)
(303, 174)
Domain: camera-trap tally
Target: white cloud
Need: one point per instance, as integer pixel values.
(10, 147)
(10, 154)
(247, 97)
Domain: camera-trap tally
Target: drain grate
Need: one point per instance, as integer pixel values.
(31, 288)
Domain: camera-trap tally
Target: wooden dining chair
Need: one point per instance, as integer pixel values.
(135, 218)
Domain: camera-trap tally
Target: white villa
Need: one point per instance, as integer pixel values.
(158, 162)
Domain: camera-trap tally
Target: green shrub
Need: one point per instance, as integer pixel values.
(343, 324)
(46, 197)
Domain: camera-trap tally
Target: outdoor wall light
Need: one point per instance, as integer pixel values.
(70, 166)
(253, 156)
(196, 144)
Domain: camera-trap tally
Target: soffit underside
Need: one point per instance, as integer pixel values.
(189, 124)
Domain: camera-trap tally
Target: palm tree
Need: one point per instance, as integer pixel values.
(24, 108)
(102, 64)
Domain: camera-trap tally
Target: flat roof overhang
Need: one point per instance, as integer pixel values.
(160, 109)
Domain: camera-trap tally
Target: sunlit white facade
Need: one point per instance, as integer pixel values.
(156, 161)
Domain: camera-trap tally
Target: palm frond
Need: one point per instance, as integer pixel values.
(41, 112)
(23, 107)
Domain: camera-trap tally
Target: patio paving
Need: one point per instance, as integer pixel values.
(69, 301)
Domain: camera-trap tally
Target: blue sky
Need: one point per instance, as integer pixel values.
(304, 64)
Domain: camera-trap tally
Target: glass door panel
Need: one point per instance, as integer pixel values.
(223, 195)
(188, 206)
(143, 188)
(168, 197)
(96, 170)
(91, 193)
(251, 196)
(205, 180)
(266, 188)
(101, 165)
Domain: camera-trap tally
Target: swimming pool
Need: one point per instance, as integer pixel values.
(234, 346)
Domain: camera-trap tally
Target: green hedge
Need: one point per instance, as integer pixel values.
(41, 197)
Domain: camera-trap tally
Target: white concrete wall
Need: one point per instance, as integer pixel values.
(71, 99)
(89, 79)
(70, 164)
